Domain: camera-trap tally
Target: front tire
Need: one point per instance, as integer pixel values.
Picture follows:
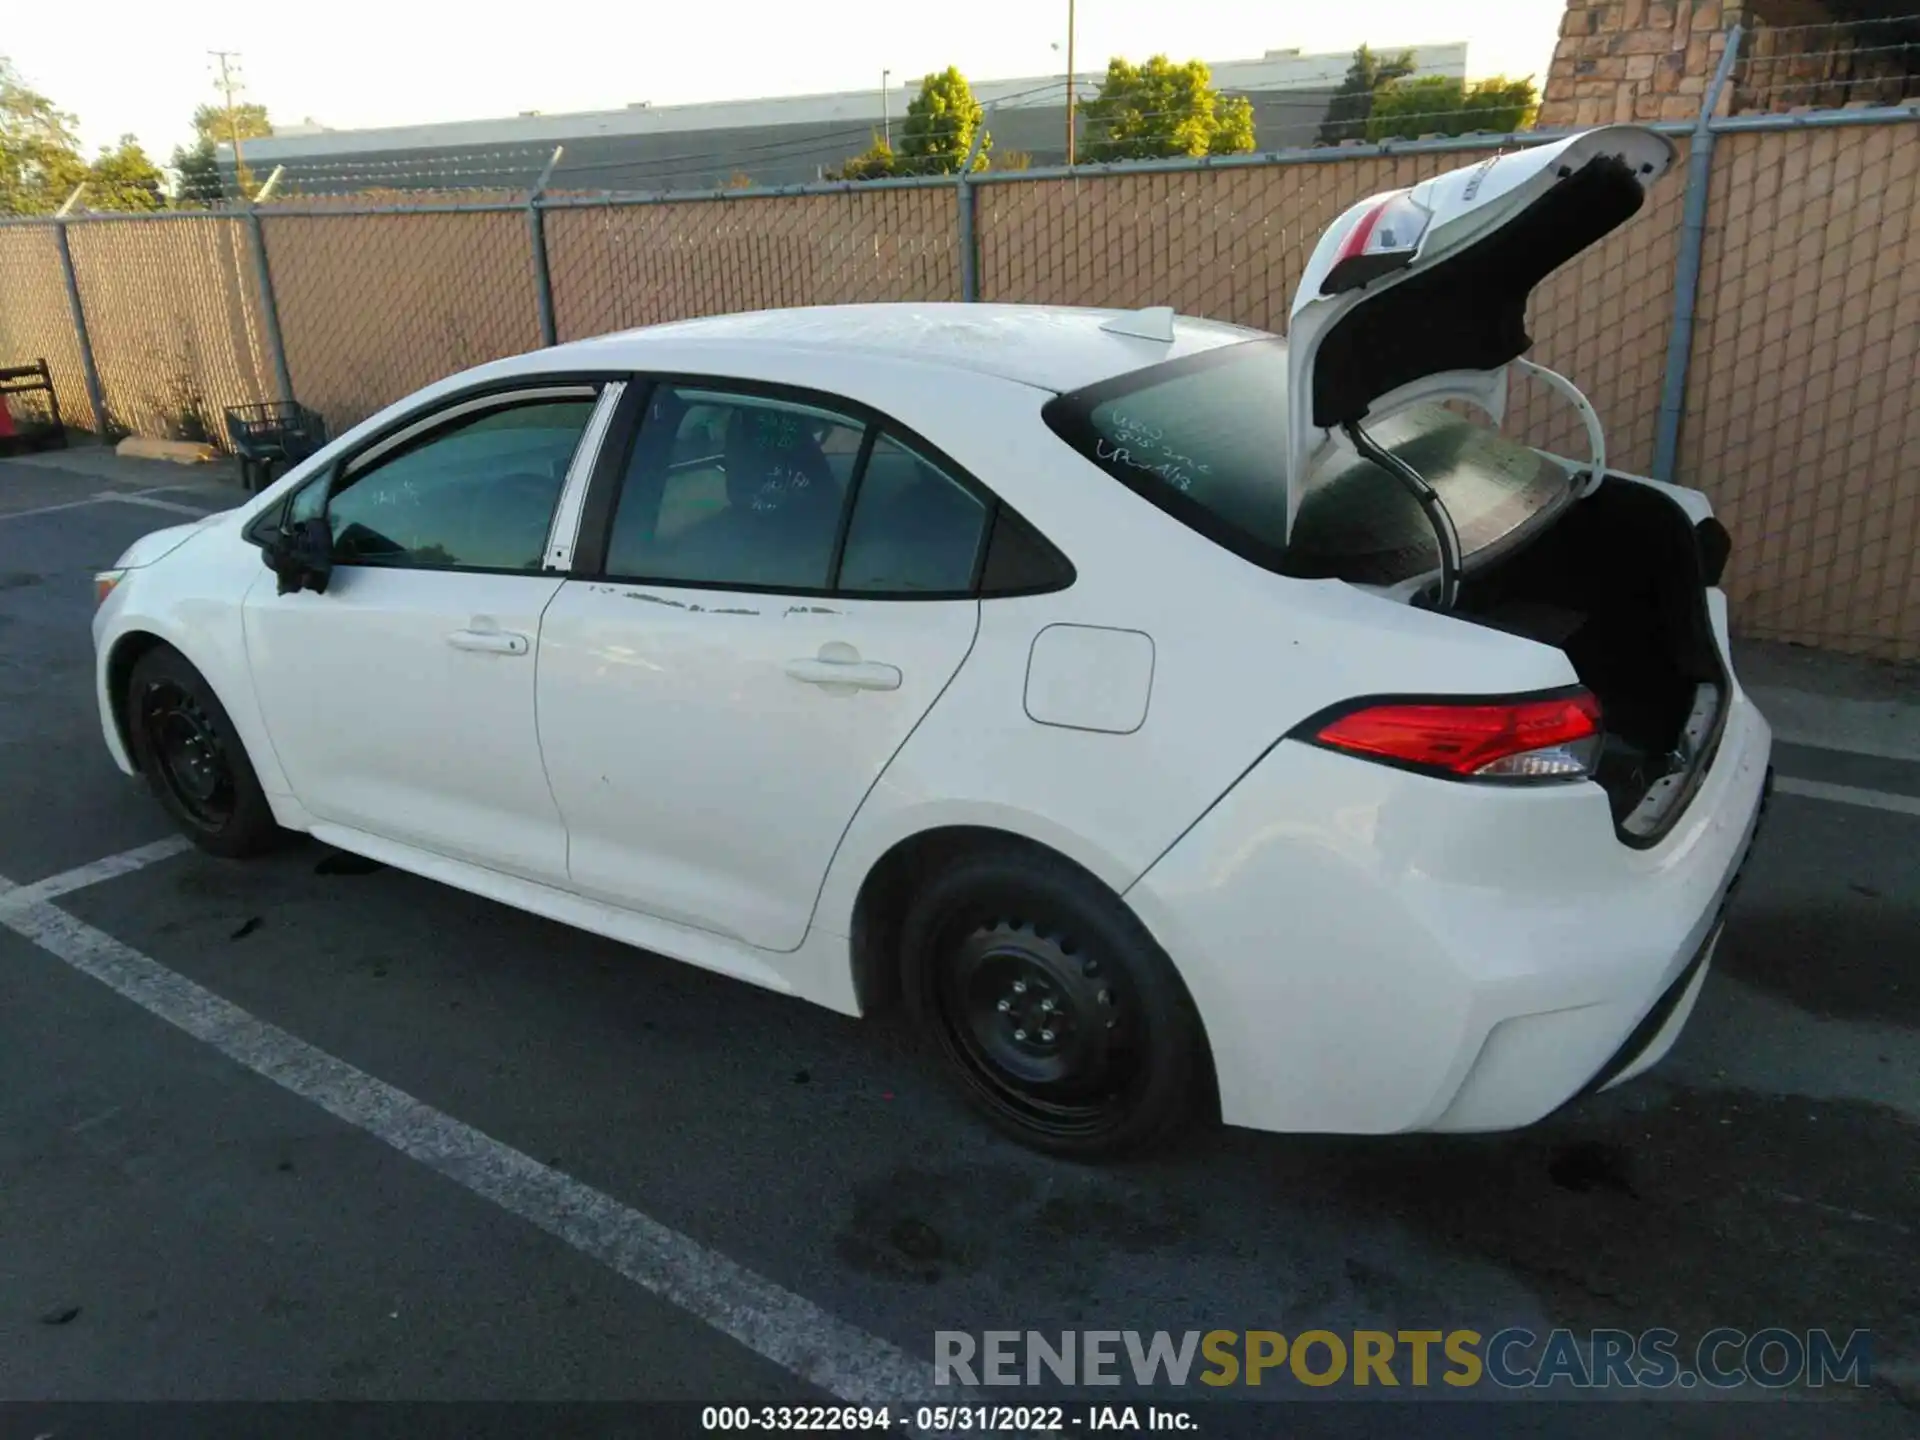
(1055, 1011)
(193, 759)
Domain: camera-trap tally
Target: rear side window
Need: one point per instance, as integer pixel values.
(914, 529)
(734, 490)
(788, 491)
(1205, 438)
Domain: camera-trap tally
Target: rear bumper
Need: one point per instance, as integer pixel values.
(1650, 1040)
(1375, 951)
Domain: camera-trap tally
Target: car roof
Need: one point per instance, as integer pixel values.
(1051, 347)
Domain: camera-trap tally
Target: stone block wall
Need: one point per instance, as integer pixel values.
(1623, 60)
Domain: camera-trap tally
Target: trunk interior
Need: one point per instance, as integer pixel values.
(1618, 583)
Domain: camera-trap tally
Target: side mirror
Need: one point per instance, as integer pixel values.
(302, 557)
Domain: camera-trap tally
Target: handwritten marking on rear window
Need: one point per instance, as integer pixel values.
(1140, 445)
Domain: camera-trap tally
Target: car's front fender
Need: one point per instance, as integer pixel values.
(192, 599)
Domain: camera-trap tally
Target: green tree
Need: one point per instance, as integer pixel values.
(876, 162)
(1158, 109)
(1352, 103)
(940, 124)
(1445, 105)
(123, 178)
(196, 167)
(39, 156)
(196, 175)
(250, 119)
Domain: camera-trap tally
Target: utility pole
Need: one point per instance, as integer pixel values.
(1069, 82)
(886, 109)
(230, 81)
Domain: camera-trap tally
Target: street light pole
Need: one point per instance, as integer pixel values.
(886, 109)
(1069, 82)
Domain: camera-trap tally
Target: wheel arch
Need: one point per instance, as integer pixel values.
(117, 674)
(220, 659)
(886, 892)
(880, 904)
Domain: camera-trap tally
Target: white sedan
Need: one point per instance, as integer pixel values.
(1178, 717)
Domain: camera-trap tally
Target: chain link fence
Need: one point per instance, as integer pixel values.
(373, 306)
(614, 266)
(173, 317)
(1803, 416)
(36, 320)
(1792, 385)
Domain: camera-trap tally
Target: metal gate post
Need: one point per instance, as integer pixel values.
(269, 306)
(964, 193)
(537, 238)
(95, 396)
(1686, 275)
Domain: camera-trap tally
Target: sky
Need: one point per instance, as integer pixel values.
(355, 63)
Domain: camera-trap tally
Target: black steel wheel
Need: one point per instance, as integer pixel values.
(1056, 1012)
(189, 756)
(185, 745)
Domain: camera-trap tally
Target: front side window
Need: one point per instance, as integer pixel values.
(735, 490)
(478, 494)
(1205, 438)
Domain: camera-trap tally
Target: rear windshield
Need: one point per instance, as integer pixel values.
(1205, 438)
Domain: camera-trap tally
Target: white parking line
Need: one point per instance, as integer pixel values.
(771, 1321)
(1848, 795)
(145, 499)
(50, 509)
(127, 497)
(82, 876)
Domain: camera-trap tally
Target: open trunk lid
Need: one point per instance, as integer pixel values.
(1421, 294)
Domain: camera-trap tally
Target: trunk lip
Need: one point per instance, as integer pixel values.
(1698, 616)
(1722, 678)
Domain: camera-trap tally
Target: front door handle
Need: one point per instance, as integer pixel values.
(845, 674)
(490, 642)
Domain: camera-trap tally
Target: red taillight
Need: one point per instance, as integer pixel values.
(1385, 238)
(1555, 738)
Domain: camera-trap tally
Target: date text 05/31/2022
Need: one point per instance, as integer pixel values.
(945, 1419)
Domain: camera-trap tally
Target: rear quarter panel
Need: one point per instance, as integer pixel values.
(1239, 656)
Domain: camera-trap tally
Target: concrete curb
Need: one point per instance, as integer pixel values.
(180, 452)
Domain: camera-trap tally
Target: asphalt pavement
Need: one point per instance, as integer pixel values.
(312, 1129)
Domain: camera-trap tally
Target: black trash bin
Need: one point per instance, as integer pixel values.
(275, 433)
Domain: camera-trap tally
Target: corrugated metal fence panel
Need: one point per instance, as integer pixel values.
(373, 307)
(615, 267)
(35, 320)
(1803, 415)
(173, 313)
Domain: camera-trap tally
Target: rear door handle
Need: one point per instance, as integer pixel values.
(850, 674)
(490, 642)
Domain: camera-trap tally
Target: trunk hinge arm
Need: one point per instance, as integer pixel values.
(1589, 417)
(1446, 536)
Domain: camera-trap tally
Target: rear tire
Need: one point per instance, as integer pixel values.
(1054, 1010)
(193, 759)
